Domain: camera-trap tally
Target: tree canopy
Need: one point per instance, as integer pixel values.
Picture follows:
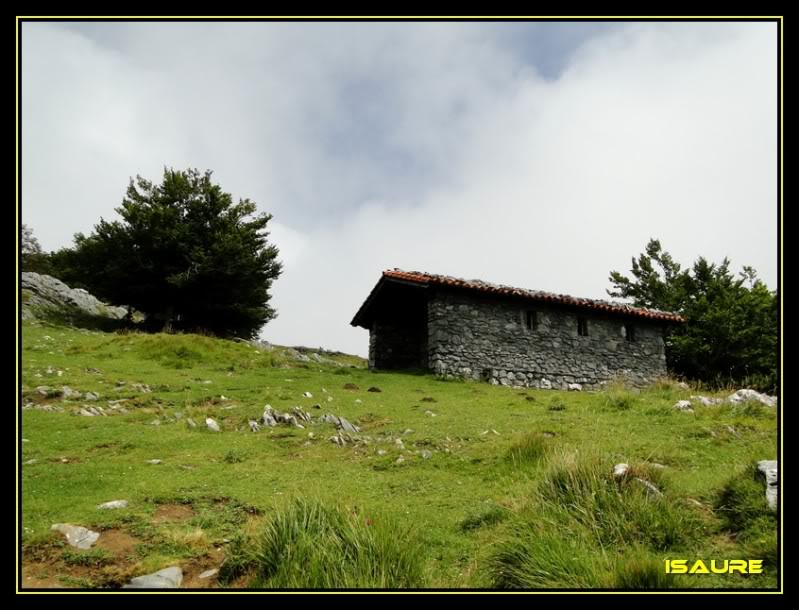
(184, 253)
(731, 329)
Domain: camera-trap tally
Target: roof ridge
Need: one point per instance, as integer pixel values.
(490, 287)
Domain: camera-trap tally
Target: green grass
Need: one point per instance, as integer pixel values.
(310, 545)
(516, 489)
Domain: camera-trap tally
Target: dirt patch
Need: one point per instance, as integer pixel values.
(429, 399)
(191, 572)
(168, 513)
(351, 386)
(118, 543)
(38, 575)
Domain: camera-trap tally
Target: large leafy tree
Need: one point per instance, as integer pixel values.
(731, 329)
(184, 253)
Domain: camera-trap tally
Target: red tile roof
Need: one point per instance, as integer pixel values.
(430, 279)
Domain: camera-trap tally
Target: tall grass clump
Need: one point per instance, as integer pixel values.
(529, 448)
(616, 511)
(640, 570)
(535, 556)
(310, 545)
(484, 518)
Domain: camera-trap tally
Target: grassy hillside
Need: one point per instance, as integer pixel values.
(448, 484)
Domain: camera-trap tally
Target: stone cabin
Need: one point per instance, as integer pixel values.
(509, 336)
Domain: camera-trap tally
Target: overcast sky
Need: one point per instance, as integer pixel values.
(537, 155)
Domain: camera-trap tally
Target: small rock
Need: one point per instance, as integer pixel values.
(684, 405)
(683, 386)
(545, 384)
(381, 452)
(770, 471)
(307, 395)
(86, 413)
(254, 427)
(91, 396)
(31, 461)
(429, 413)
(751, 395)
(153, 462)
(620, 470)
(208, 574)
(408, 431)
(649, 487)
(398, 442)
(575, 387)
(190, 422)
(169, 578)
(426, 455)
(316, 406)
(113, 504)
(77, 536)
(705, 401)
(358, 401)
(399, 460)
(155, 422)
(212, 425)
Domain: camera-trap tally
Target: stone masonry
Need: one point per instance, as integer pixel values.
(482, 338)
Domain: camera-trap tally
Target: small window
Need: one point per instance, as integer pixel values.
(582, 327)
(629, 332)
(532, 320)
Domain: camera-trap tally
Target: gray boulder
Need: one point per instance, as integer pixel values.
(76, 535)
(169, 578)
(212, 425)
(43, 292)
(770, 471)
(750, 395)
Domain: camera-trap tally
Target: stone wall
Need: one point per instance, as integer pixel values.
(484, 338)
(394, 346)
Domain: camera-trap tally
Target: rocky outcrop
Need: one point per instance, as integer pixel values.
(43, 293)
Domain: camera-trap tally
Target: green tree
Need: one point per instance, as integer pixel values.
(31, 255)
(184, 253)
(731, 329)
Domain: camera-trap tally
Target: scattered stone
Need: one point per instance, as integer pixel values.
(374, 389)
(329, 399)
(208, 574)
(683, 386)
(548, 435)
(545, 384)
(190, 422)
(381, 452)
(426, 455)
(575, 387)
(657, 466)
(398, 442)
(212, 425)
(751, 395)
(254, 427)
(310, 435)
(620, 470)
(429, 413)
(307, 395)
(77, 536)
(113, 504)
(358, 401)
(649, 487)
(300, 414)
(153, 462)
(169, 578)
(207, 382)
(68, 392)
(94, 371)
(43, 390)
(269, 417)
(351, 386)
(408, 431)
(141, 387)
(31, 461)
(684, 405)
(91, 396)
(317, 405)
(86, 413)
(770, 471)
(707, 402)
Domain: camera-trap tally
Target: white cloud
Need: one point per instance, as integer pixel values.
(433, 147)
